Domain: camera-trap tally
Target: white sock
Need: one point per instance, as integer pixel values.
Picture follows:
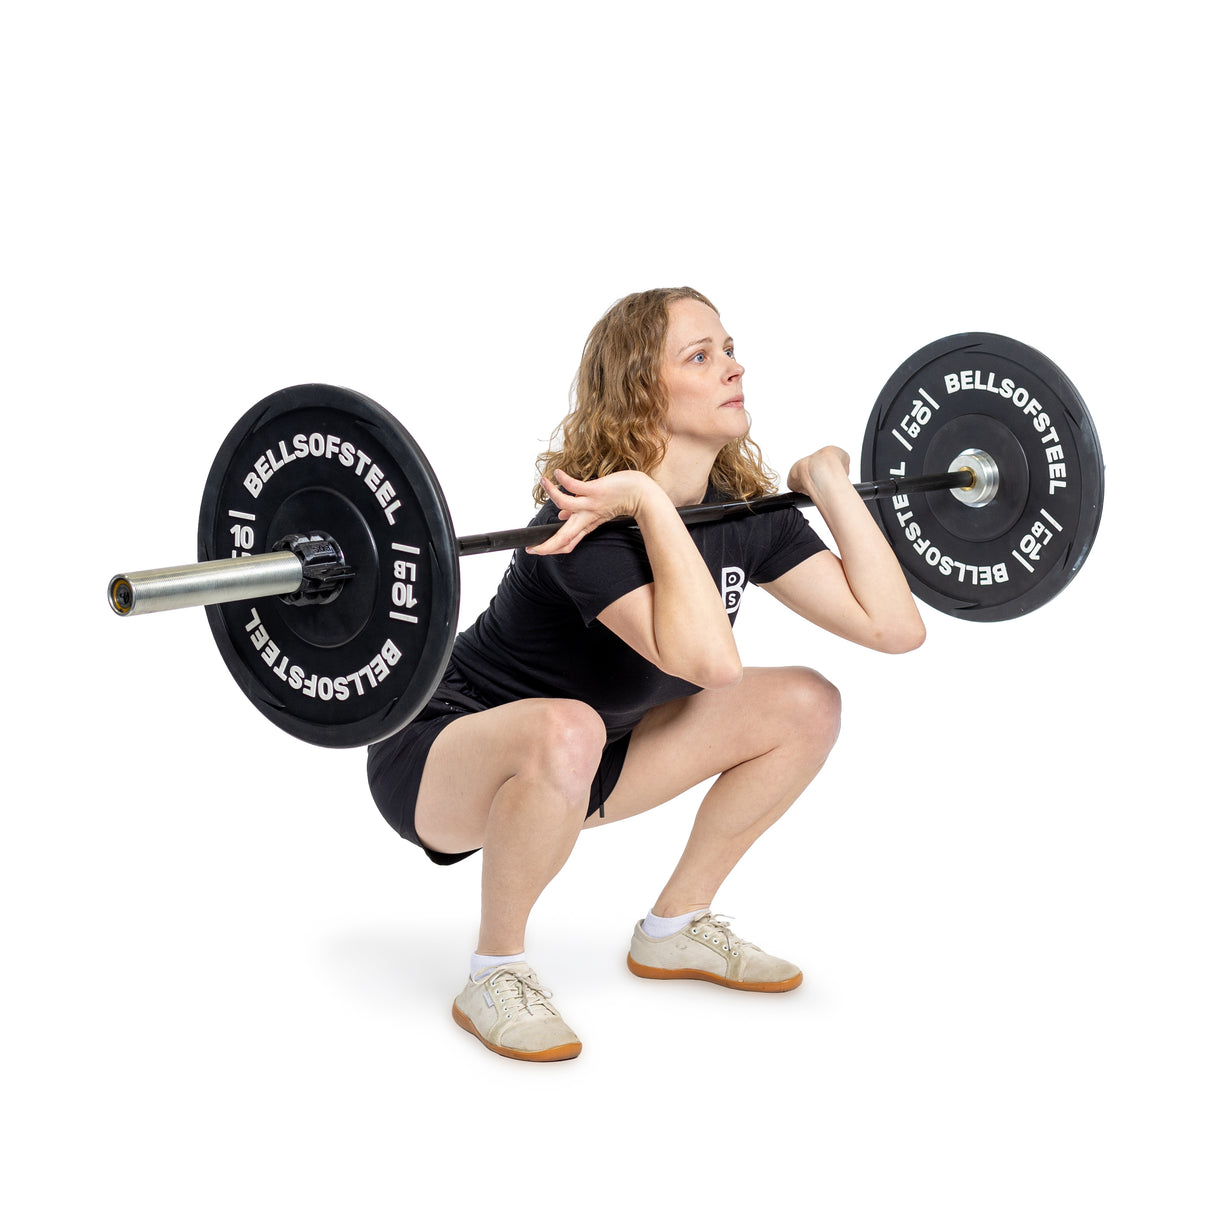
(479, 963)
(659, 928)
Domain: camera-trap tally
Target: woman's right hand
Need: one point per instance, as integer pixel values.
(586, 505)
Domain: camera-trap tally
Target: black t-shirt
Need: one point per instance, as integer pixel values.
(539, 637)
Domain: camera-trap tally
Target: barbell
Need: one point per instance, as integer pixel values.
(328, 564)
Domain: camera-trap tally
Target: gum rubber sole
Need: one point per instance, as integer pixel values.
(646, 971)
(558, 1053)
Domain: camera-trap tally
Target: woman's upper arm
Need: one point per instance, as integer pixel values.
(630, 617)
(818, 590)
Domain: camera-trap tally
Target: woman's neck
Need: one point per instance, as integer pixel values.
(684, 473)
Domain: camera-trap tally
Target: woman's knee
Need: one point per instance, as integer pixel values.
(565, 743)
(811, 705)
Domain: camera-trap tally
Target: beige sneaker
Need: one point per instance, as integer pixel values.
(510, 1013)
(707, 949)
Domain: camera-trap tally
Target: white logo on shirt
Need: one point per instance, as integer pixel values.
(733, 582)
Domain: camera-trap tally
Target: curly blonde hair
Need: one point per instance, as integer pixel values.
(617, 416)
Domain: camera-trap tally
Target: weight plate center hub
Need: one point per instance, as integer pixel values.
(985, 472)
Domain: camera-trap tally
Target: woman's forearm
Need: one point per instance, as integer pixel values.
(691, 629)
(680, 622)
(869, 564)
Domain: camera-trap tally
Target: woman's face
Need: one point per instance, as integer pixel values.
(702, 378)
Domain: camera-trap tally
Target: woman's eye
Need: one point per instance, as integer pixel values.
(698, 356)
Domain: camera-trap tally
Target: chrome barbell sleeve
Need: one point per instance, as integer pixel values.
(227, 581)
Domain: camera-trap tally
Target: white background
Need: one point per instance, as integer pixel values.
(227, 981)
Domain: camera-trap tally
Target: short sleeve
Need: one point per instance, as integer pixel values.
(604, 567)
(791, 541)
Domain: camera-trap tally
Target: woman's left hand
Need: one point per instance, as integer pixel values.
(862, 593)
(813, 473)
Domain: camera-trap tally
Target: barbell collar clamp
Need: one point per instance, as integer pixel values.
(325, 569)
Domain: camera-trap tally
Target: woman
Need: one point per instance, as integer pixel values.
(603, 679)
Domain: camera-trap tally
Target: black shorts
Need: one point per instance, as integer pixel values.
(395, 765)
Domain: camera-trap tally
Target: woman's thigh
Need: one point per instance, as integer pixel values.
(477, 754)
(679, 745)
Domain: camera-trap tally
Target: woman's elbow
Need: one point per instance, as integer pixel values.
(717, 674)
(727, 674)
(903, 639)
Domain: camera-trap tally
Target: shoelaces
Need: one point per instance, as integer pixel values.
(709, 923)
(516, 992)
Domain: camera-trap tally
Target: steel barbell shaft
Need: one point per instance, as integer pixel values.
(273, 573)
(527, 537)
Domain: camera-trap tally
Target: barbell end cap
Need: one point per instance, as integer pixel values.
(121, 595)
